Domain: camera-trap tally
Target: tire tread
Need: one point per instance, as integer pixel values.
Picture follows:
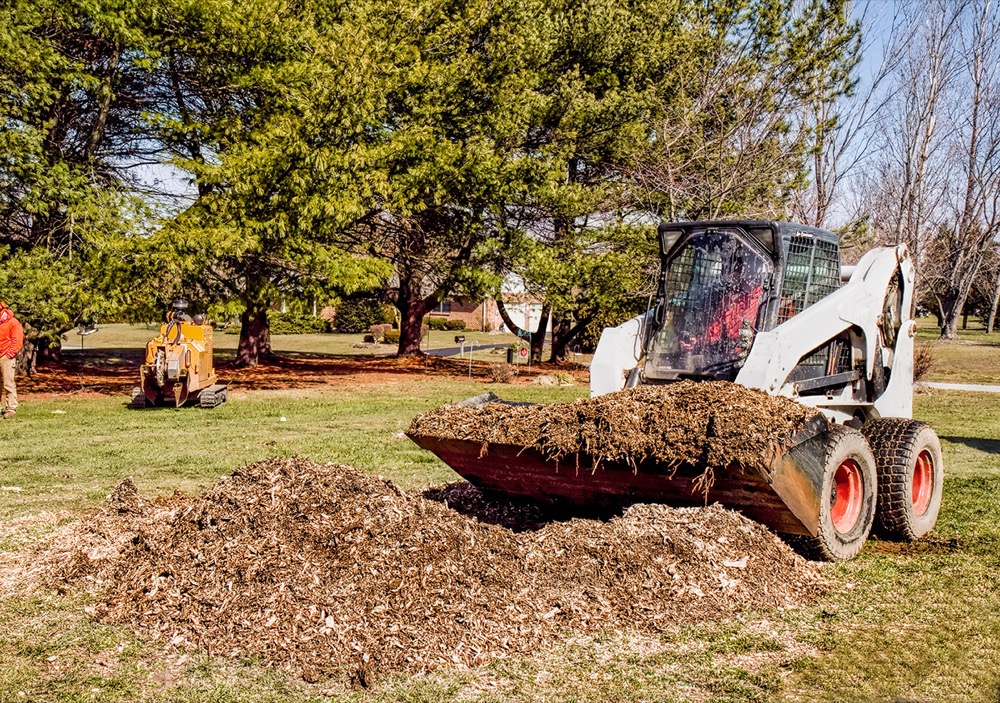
(894, 443)
(825, 546)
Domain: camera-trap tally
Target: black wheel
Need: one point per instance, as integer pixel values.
(847, 499)
(910, 476)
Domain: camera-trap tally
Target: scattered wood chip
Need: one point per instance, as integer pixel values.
(326, 569)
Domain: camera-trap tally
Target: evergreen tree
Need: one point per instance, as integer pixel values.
(73, 90)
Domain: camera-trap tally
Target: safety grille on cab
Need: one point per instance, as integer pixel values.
(811, 273)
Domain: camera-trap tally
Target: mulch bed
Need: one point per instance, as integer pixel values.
(103, 372)
(327, 570)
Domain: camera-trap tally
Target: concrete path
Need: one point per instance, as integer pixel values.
(978, 388)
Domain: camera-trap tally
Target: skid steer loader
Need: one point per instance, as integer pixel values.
(767, 305)
(179, 365)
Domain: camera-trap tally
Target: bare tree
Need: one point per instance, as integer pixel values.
(733, 141)
(975, 205)
(844, 123)
(929, 69)
(903, 193)
(992, 318)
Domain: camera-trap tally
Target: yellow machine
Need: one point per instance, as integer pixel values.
(178, 365)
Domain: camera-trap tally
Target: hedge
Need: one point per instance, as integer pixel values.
(295, 323)
(443, 323)
(359, 314)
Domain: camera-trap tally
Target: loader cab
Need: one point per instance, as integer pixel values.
(723, 281)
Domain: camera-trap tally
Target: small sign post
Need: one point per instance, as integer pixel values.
(472, 345)
(526, 334)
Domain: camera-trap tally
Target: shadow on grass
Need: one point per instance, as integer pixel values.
(990, 446)
(924, 546)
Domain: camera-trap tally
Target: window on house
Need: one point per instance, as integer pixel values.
(442, 308)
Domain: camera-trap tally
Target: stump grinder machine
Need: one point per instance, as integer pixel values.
(178, 367)
(767, 305)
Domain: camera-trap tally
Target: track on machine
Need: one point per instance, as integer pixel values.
(210, 397)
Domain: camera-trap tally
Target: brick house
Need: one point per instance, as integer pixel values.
(484, 315)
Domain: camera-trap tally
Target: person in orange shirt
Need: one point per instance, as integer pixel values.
(11, 339)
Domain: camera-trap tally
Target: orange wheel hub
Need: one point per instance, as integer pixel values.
(846, 496)
(923, 482)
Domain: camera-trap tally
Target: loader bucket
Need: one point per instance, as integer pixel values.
(786, 497)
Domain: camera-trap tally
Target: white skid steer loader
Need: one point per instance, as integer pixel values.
(769, 306)
(766, 305)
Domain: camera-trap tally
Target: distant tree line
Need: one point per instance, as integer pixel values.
(420, 148)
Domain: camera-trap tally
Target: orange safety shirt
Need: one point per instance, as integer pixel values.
(11, 336)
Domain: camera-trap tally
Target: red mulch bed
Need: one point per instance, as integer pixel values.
(102, 375)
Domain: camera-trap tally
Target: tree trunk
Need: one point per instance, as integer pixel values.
(951, 311)
(412, 309)
(538, 338)
(411, 327)
(564, 331)
(562, 335)
(993, 308)
(27, 358)
(255, 337)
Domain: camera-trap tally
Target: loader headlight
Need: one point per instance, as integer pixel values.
(668, 238)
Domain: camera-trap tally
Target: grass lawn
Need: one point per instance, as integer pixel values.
(972, 358)
(133, 338)
(67, 453)
(916, 622)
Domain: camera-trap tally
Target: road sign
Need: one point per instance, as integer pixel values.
(523, 352)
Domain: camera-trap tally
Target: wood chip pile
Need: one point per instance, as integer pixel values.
(328, 570)
(709, 424)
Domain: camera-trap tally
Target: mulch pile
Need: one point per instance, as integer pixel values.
(712, 425)
(326, 569)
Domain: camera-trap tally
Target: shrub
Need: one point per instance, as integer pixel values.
(923, 362)
(358, 314)
(503, 373)
(295, 323)
(443, 323)
(390, 337)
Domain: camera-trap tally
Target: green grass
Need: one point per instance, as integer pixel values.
(68, 453)
(919, 622)
(972, 358)
(134, 337)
